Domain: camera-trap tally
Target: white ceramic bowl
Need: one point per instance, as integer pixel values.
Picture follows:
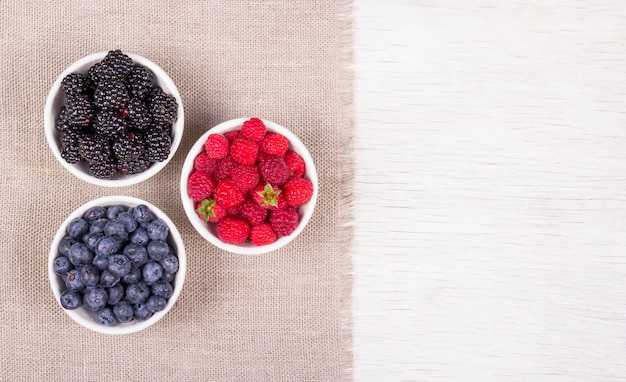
(208, 231)
(56, 99)
(87, 318)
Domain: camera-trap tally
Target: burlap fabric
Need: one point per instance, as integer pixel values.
(284, 316)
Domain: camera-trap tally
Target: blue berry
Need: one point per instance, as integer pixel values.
(132, 277)
(140, 236)
(108, 279)
(116, 293)
(65, 244)
(72, 280)
(101, 262)
(91, 239)
(141, 312)
(95, 299)
(89, 275)
(157, 250)
(107, 246)
(123, 311)
(106, 316)
(158, 230)
(113, 211)
(80, 254)
(169, 263)
(137, 293)
(152, 272)
(77, 228)
(98, 226)
(156, 304)
(119, 265)
(162, 289)
(70, 299)
(94, 213)
(116, 229)
(61, 265)
(137, 254)
(168, 277)
(129, 222)
(142, 214)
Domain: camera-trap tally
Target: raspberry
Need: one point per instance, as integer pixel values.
(253, 129)
(216, 146)
(244, 151)
(199, 186)
(224, 168)
(274, 170)
(296, 164)
(284, 221)
(253, 213)
(267, 197)
(232, 230)
(298, 191)
(245, 177)
(228, 195)
(232, 135)
(202, 162)
(262, 235)
(210, 211)
(274, 144)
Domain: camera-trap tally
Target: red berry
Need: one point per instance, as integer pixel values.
(274, 170)
(267, 197)
(284, 221)
(224, 168)
(209, 210)
(244, 151)
(232, 135)
(298, 191)
(296, 164)
(274, 144)
(228, 195)
(199, 186)
(216, 146)
(253, 213)
(232, 230)
(262, 235)
(254, 129)
(245, 177)
(202, 162)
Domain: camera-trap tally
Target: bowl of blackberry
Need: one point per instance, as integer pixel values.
(113, 118)
(117, 265)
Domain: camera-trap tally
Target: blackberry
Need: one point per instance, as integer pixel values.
(95, 73)
(94, 148)
(109, 123)
(115, 66)
(139, 81)
(134, 166)
(163, 108)
(75, 84)
(128, 147)
(103, 170)
(158, 144)
(79, 111)
(61, 123)
(111, 95)
(138, 114)
(69, 146)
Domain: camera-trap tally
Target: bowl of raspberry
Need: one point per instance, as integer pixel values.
(113, 119)
(117, 265)
(249, 186)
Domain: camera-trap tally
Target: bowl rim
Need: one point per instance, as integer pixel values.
(307, 209)
(78, 170)
(79, 315)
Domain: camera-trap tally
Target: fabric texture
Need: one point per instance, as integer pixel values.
(283, 316)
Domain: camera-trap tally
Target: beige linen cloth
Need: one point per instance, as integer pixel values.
(283, 316)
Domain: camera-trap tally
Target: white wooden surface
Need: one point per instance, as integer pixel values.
(490, 238)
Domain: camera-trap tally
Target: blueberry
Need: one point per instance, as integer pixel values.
(113, 211)
(107, 246)
(80, 254)
(132, 277)
(65, 244)
(129, 222)
(137, 254)
(72, 280)
(89, 275)
(70, 299)
(106, 316)
(108, 279)
(94, 213)
(162, 289)
(140, 236)
(157, 250)
(168, 277)
(123, 311)
(77, 228)
(115, 293)
(101, 262)
(62, 264)
(158, 230)
(95, 299)
(141, 312)
(137, 293)
(91, 238)
(142, 214)
(155, 304)
(116, 228)
(98, 225)
(119, 265)
(169, 263)
(152, 272)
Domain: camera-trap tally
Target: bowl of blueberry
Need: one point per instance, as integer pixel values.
(113, 118)
(117, 265)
